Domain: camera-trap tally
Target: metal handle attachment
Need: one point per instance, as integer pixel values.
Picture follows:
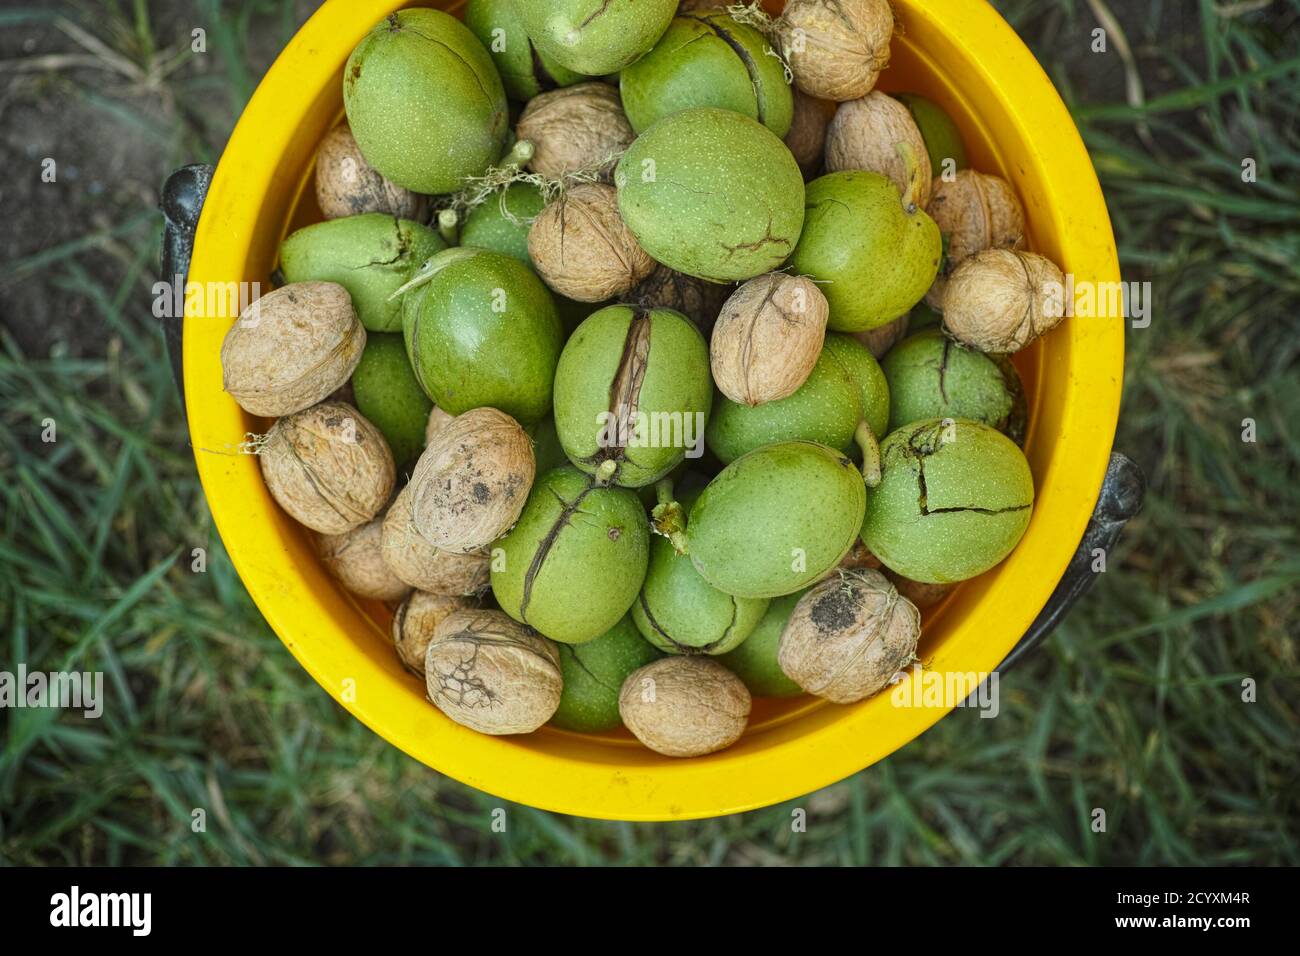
(182, 202)
(1121, 497)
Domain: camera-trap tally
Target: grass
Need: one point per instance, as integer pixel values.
(1135, 706)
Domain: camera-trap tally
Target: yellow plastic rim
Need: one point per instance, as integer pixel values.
(1014, 124)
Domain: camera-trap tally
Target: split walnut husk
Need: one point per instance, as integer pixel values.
(417, 620)
(492, 674)
(848, 636)
(292, 348)
(974, 212)
(347, 185)
(768, 337)
(420, 564)
(1000, 300)
(328, 467)
(472, 480)
(581, 247)
(878, 134)
(684, 706)
(356, 560)
(576, 129)
(835, 48)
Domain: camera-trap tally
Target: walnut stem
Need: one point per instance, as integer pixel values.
(448, 221)
(605, 470)
(866, 440)
(913, 176)
(668, 516)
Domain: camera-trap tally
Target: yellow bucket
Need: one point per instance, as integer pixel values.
(959, 53)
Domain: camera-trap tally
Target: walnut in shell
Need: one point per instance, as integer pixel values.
(807, 137)
(492, 674)
(877, 133)
(918, 592)
(974, 212)
(835, 48)
(347, 185)
(420, 564)
(576, 128)
(883, 338)
(355, 559)
(328, 467)
(1000, 300)
(438, 419)
(292, 348)
(698, 300)
(580, 245)
(684, 706)
(472, 481)
(848, 636)
(767, 338)
(417, 620)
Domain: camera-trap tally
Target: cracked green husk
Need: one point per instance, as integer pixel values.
(593, 676)
(955, 497)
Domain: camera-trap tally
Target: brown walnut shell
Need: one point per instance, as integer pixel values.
(355, 559)
(421, 565)
(767, 338)
(576, 128)
(1000, 300)
(328, 467)
(417, 620)
(848, 636)
(974, 212)
(866, 134)
(292, 348)
(684, 706)
(835, 48)
(347, 185)
(492, 674)
(581, 247)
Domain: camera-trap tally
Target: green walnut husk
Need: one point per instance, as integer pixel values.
(844, 388)
(713, 194)
(547, 450)
(575, 561)
(870, 378)
(826, 408)
(932, 376)
(388, 394)
(594, 37)
(593, 675)
(681, 613)
(525, 70)
(754, 661)
(370, 255)
(873, 255)
(773, 521)
(708, 59)
(482, 329)
(942, 137)
(501, 222)
(631, 394)
(955, 497)
(425, 102)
